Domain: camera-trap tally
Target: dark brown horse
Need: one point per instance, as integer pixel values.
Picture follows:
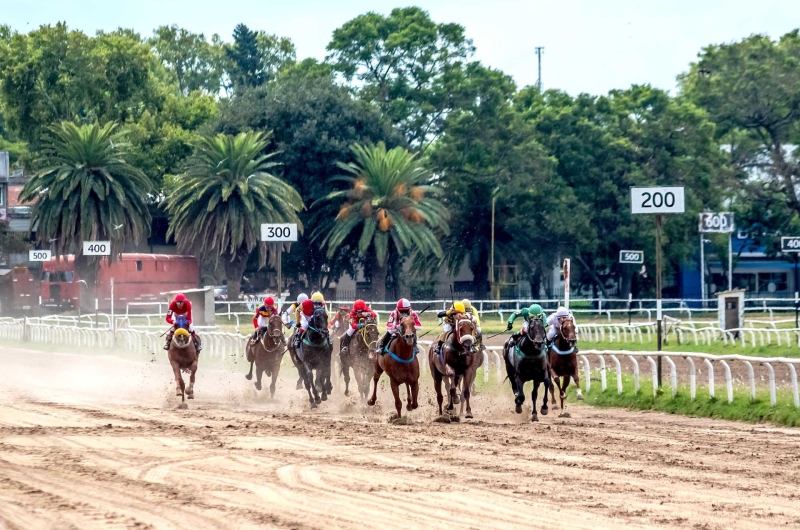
(563, 360)
(358, 356)
(459, 352)
(401, 364)
(266, 352)
(183, 357)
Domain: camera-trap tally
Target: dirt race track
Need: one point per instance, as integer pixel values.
(89, 441)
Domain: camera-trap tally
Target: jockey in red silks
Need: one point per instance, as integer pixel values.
(263, 314)
(359, 312)
(402, 310)
(181, 306)
(307, 309)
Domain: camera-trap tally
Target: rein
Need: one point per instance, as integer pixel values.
(398, 359)
(559, 351)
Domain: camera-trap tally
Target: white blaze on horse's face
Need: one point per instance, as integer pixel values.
(465, 340)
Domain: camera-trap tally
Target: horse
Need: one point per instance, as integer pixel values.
(563, 360)
(183, 357)
(358, 356)
(266, 352)
(459, 353)
(401, 365)
(341, 320)
(315, 354)
(527, 361)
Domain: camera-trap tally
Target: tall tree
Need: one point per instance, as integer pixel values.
(406, 64)
(314, 123)
(190, 57)
(217, 207)
(390, 202)
(256, 57)
(87, 191)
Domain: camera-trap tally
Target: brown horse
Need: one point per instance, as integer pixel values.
(459, 353)
(266, 352)
(401, 364)
(183, 357)
(358, 356)
(563, 359)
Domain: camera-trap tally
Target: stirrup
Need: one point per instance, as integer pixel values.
(166, 346)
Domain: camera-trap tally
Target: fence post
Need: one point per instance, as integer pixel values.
(655, 374)
(588, 373)
(728, 380)
(794, 385)
(602, 373)
(673, 374)
(635, 373)
(752, 376)
(619, 373)
(692, 378)
(710, 368)
(771, 372)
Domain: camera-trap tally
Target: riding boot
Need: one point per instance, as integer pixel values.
(512, 341)
(384, 342)
(198, 346)
(345, 342)
(169, 341)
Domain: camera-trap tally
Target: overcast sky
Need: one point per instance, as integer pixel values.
(590, 45)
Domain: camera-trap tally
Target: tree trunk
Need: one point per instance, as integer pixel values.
(536, 281)
(87, 268)
(480, 280)
(597, 281)
(378, 281)
(234, 270)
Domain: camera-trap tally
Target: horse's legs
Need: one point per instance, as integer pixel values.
(179, 386)
(467, 393)
(563, 384)
(259, 373)
(378, 371)
(452, 391)
(414, 394)
(519, 393)
(190, 388)
(534, 396)
(398, 405)
(577, 377)
(437, 385)
(276, 369)
(346, 374)
(308, 379)
(546, 383)
(249, 375)
(408, 396)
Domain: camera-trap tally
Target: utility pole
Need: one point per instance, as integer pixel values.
(539, 52)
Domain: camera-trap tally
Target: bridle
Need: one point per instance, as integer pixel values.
(460, 338)
(368, 323)
(275, 335)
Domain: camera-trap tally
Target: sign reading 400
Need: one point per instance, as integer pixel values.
(790, 244)
(97, 248)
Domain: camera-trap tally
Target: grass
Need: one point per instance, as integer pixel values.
(741, 409)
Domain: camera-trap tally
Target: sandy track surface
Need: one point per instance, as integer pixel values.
(89, 441)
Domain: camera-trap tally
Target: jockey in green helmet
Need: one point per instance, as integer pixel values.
(535, 311)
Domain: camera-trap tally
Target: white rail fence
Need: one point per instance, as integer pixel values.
(231, 346)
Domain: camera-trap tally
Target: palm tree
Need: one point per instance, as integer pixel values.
(86, 191)
(388, 202)
(227, 192)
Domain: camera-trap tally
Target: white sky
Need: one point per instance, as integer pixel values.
(590, 45)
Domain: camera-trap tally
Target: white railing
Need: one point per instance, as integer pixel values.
(707, 359)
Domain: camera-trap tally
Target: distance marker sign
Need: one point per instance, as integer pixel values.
(631, 256)
(657, 199)
(97, 248)
(277, 232)
(790, 244)
(39, 255)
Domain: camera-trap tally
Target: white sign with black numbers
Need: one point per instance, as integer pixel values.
(39, 255)
(716, 222)
(631, 256)
(657, 199)
(275, 232)
(790, 244)
(97, 248)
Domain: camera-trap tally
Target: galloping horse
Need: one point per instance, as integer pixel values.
(183, 357)
(527, 361)
(402, 366)
(357, 356)
(459, 353)
(315, 354)
(266, 352)
(563, 361)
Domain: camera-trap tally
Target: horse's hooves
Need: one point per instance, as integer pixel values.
(534, 418)
(455, 419)
(347, 393)
(545, 412)
(565, 415)
(324, 397)
(258, 386)
(189, 396)
(299, 385)
(468, 415)
(442, 419)
(399, 420)
(456, 400)
(313, 405)
(183, 406)
(317, 400)
(414, 406)
(248, 377)
(580, 397)
(518, 409)
(371, 402)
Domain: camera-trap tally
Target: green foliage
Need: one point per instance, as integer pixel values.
(226, 194)
(256, 57)
(389, 200)
(86, 190)
(196, 63)
(406, 64)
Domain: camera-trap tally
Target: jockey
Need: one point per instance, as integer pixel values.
(306, 310)
(554, 321)
(528, 314)
(294, 311)
(359, 312)
(473, 314)
(402, 310)
(319, 301)
(263, 314)
(180, 306)
(449, 320)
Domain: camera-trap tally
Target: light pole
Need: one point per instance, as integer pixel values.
(703, 294)
(491, 266)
